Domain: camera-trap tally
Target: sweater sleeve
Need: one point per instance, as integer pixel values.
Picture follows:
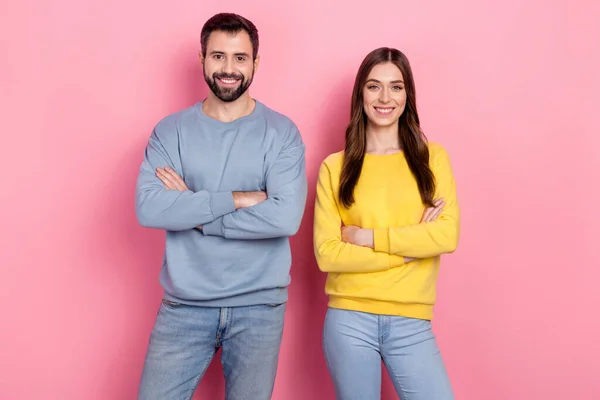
(281, 213)
(157, 207)
(332, 254)
(429, 239)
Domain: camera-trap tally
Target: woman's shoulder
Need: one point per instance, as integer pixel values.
(437, 151)
(334, 161)
(436, 148)
(439, 159)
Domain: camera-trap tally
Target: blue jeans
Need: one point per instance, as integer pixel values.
(355, 343)
(185, 339)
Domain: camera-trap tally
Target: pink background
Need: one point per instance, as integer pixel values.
(510, 88)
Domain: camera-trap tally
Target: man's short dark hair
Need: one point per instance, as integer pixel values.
(232, 24)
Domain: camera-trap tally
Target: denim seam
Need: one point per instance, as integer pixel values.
(391, 368)
(223, 326)
(325, 349)
(197, 380)
(387, 327)
(326, 354)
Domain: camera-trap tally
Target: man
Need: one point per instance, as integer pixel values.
(226, 179)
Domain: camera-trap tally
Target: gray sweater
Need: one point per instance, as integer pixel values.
(240, 257)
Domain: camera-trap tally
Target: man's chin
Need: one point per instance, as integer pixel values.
(227, 97)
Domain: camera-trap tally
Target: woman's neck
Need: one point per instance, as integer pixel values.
(383, 139)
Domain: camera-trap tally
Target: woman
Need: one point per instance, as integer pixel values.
(386, 209)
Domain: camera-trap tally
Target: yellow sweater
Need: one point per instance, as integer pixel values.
(387, 200)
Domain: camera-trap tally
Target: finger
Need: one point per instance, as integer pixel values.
(176, 179)
(165, 178)
(344, 236)
(429, 215)
(165, 182)
(426, 214)
(432, 213)
(437, 212)
(161, 174)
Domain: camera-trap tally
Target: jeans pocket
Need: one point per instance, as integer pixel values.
(274, 305)
(172, 305)
(270, 308)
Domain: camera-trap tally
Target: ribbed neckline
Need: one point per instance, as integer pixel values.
(256, 113)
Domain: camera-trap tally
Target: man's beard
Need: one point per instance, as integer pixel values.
(228, 94)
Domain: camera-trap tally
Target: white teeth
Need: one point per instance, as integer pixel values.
(228, 80)
(384, 110)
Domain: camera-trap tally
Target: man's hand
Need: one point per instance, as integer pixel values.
(170, 179)
(173, 181)
(358, 236)
(431, 213)
(248, 199)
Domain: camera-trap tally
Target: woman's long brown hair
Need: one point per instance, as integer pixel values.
(412, 139)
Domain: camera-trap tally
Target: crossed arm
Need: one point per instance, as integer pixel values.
(347, 249)
(172, 181)
(366, 237)
(174, 210)
(164, 201)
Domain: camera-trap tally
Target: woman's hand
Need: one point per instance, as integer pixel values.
(431, 213)
(365, 237)
(358, 236)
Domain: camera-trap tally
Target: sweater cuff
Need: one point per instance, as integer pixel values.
(214, 228)
(381, 240)
(221, 203)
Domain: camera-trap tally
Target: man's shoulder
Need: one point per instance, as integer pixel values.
(173, 121)
(278, 119)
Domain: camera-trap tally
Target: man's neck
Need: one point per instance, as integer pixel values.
(228, 111)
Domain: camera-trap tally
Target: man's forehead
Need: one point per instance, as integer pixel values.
(227, 42)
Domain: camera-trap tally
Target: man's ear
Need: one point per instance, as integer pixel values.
(256, 62)
(201, 57)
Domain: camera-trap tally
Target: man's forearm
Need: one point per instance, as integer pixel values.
(245, 200)
(180, 210)
(281, 213)
(269, 219)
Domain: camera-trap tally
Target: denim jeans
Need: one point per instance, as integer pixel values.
(355, 343)
(185, 339)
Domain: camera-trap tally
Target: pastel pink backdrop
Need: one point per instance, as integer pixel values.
(510, 88)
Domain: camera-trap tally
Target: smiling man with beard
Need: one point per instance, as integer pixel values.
(225, 178)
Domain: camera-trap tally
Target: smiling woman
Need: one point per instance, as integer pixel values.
(383, 263)
(384, 99)
(384, 93)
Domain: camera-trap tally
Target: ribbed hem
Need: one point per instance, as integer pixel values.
(262, 297)
(409, 310)
(381, 239)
